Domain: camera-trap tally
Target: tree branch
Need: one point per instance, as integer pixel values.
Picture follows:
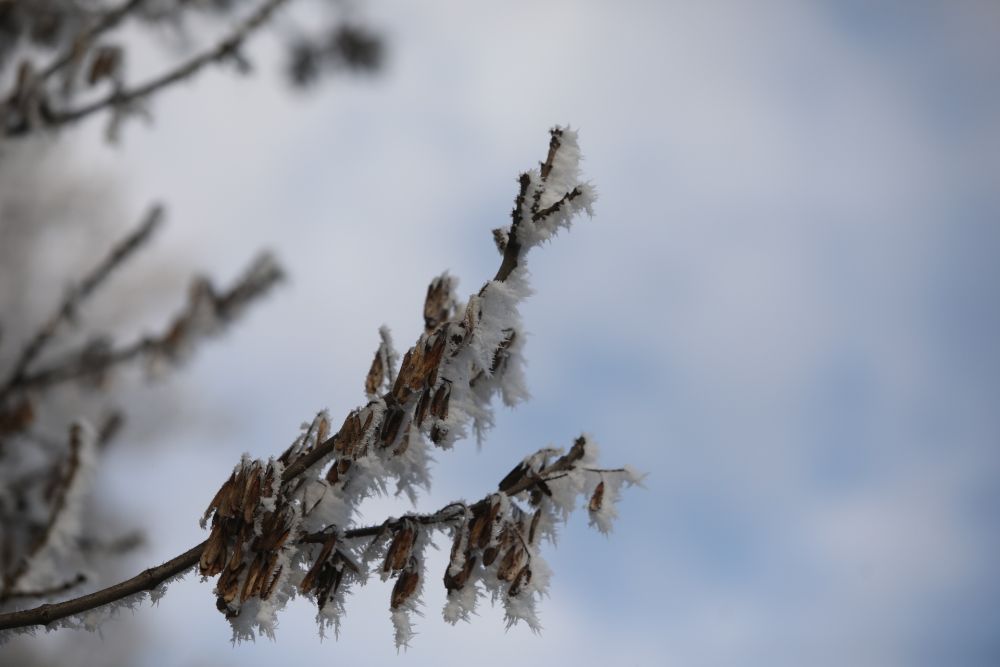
(77, 295)
(122, 98)
(412, 389)
(154, 576)
(106, 22)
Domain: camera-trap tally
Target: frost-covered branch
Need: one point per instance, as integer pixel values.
(481, 530)
(284, 527)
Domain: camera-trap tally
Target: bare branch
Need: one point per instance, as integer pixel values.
(126, 97)
(78, 294)
(105, 22)
(52, 590)
(205, 313)
(61, 490)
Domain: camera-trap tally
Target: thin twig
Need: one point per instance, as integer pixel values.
(106, 22)
(52, 590)
(86, 362)
(121, 98)
(65, 482)
(78, 294)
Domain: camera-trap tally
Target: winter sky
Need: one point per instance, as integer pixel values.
(786, 310)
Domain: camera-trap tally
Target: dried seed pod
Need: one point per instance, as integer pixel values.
(521, 579)
(213, 557)
(458, 581)
(254, 574)
(438, 433)
(490, 555)
(473, 313)
(219, 495)
(597, 500)
(439, 301)
(405, 586)
(422, 404)
(404, 442)
(391, 422)
(481, 532)
(322, 429)
(106, 64)
(399, 549)
(432, 360)
(309, 581)
(459, 542)
(265, 592)
(251, 497)
(375, 374)
(439, 404)
(510, 563)
(533, 530)
(514, 477)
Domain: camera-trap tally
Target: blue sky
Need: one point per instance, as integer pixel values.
(786, 310)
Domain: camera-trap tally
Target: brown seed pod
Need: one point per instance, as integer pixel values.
(533, 530)
(106, 64)
(251, 497)
(490, 555)
(375, 374)
(265, 592)
(405, 586)
(213, 558)
(438, 433)
(309, 581)
(597, 500)
(399, 550)
(439, 404)
(514, 477)
(219, 495)
(404, 442)
(510, 563)
(254, 574)
(438, 303)
(391, 422)
(422, 404)
(521, 579)
(457, 582)
(481, 531)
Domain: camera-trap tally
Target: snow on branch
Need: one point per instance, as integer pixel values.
(285, 527)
